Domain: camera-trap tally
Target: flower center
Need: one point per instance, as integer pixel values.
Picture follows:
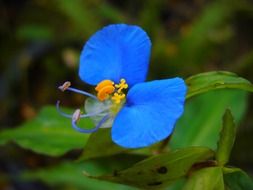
(107, 89)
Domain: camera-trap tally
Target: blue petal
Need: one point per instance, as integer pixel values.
(117, 51)
(150, 113)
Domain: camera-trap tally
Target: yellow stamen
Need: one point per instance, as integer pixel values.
(122, 85)
(118, 97)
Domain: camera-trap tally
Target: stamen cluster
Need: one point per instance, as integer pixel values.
(107, 89)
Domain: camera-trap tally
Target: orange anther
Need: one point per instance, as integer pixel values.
(104, 92)
(103, 84)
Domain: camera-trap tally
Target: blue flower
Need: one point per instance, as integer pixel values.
(116, 60)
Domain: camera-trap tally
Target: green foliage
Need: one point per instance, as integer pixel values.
(49, 133)
(71, 174)
(200, 124)
(227, 138)
(205, 111)
(160, 170)
(204, 82)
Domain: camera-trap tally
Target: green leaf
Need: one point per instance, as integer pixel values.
(49, 133)
(236, 179)
(69, 174)
(204, 82)
(208, 179)
(201, 122)
(160, 170)
(227, 138)
(100, 144)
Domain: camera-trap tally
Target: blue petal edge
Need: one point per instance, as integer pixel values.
(114, 52)
(150, 113)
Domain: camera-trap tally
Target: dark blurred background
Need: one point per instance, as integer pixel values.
(41, 42)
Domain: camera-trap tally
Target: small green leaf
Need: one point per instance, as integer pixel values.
(227, 138)
(49, 133)
(100, 144)
(204, 82)
(210, 178)
(236, 179)
(160, 170)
